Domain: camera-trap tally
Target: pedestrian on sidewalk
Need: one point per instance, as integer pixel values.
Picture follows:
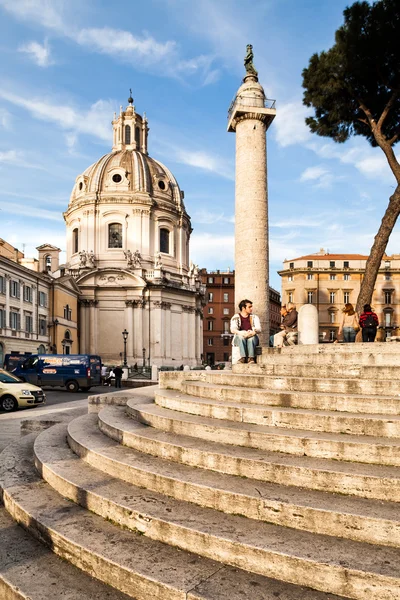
(118, 372)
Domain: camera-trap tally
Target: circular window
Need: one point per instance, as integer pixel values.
(80, 185)
(161, 185)
(117, 178)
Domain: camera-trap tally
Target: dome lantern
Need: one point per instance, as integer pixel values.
(130, 130)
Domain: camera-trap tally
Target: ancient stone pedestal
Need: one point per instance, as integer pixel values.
(308, 325)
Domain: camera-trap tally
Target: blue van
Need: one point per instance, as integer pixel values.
(72, 371)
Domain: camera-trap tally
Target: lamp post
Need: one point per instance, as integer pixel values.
(125, 334)
(144, 357)
(63, 346)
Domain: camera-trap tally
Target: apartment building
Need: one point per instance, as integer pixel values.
(38, 314)
(218, 311)
(329, 281)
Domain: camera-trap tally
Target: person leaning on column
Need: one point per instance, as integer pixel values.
(289, 328)
(245, 326)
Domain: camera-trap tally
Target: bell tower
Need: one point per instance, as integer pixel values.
(130, 130)
(250, 115)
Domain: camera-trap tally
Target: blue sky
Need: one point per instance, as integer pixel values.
(67, 65)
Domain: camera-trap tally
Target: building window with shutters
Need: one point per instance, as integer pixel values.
(15, 320)
(332, 335)
(331, 317)
(210, 296)
(309, 264)
(226, 327)
(2, 318)
(332, 277)
(211, 280)
(388, 297)
(42, 326)
(332, 297)
(310, 276)
(210, 326)
(210, 310)
(42, 299)
(2, 285)
(28, 323)
(346, 277)
(226, 311)
(14, 289)
(210, 342)
(290, 296)
(27, 293)
(346, 297)
(164, 241)
(226, 280)
(226, 297)
(310, 297)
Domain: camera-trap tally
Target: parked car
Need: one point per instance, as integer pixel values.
(15, 393)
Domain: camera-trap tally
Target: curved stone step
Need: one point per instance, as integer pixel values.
(334, 514)
(312, 420)
(30, 571)
(357, 479)
(253, 376)
(327, 563)
(366, 449)
(388, 405)
(133, 563)
(339, 370)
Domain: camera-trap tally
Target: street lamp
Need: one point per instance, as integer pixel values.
(125, 334)
(144, 357)
(63, 346)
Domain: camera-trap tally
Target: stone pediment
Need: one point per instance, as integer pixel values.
(111, 278)
(47, 248)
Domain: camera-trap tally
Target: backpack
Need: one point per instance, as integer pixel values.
(369, 320)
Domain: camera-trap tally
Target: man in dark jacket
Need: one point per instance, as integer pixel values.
(118, 372)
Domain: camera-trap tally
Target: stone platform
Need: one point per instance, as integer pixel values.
(275, 480)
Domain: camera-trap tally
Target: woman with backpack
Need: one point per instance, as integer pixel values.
(369, 323)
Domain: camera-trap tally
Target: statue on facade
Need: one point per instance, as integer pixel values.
(157, 261)
(91, 259)
(82, 258)
(129, 258)
(191, 269)
(137, 259)
(248, 61)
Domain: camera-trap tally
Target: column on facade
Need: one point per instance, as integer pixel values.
(8, 283)
(138, 322)
(83, 326)
(92, 326)
(135, 232)
(145, 232)
(185, 331)
(192, 333)
(199, 334)
(157, 334)
(167, 330)
(35, 302)
(130, 328)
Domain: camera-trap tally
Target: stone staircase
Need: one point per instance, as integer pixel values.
(276, 480)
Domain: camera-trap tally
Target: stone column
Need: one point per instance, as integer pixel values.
(250, 119)
(199, 334)
(130, 328)
(157, 333)
(82, 328)
(138, 328)
(92, 326)
(185, 332)
(192, 335)
(167, 331)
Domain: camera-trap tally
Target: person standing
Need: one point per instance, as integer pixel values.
(369, 323)
(245, 326)
(349, 324)
(118, 372)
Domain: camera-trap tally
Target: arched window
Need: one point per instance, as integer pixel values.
(41, 349)
(164, 241)
(127, 134)
(48, 263)
(67, 335)
(137, 137)
(75, 241)
(115, 235)
(1, 354)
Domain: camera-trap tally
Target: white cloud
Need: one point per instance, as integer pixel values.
(123, 43)
(93, 121)
(206, 161)
(206, 217)
(300, 222)
(15, 208)
(14, 157)
(206, 249)
(40, 54)
(290, 127)
(48, 13)
(5, 119)
(321, 176)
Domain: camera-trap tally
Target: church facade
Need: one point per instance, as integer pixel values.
(128, 250)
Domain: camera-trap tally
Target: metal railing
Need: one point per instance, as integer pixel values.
(248, 102)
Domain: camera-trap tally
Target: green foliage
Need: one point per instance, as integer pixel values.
(361, 71)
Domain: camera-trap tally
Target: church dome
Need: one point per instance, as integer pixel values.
(126, 172)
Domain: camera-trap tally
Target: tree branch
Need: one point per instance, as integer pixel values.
(363, 120)
(394, 139)
(387, 108)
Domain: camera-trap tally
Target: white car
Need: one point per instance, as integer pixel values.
(15, 393)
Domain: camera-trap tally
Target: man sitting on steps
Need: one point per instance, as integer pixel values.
(288, 335)
(245, 326)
